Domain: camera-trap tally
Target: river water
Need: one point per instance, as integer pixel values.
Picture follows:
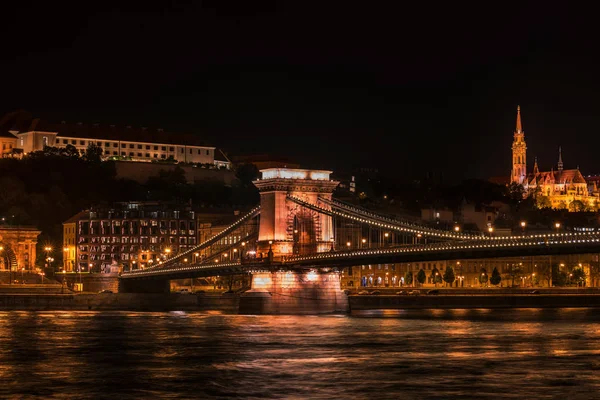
(417, 354)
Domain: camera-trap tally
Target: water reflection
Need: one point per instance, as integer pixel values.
(422, 354)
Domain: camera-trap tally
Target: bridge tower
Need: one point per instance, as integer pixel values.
(285, 227)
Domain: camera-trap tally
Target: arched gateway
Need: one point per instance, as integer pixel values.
(285, 227)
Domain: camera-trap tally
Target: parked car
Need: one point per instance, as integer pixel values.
(414, 292)
(105, 291)
(375, 292)
(184, 291)
(402, 292)
(535, 292)
(433, 292)
(363, 292)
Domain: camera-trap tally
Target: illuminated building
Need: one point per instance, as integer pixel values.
(560, 188)
(126, 143)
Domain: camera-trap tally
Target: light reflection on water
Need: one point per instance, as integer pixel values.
(409, 354)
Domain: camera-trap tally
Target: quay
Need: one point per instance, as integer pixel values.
(49, 298)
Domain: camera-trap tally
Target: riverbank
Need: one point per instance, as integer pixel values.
(230, 302)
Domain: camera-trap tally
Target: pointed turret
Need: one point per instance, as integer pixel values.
(519, 153)
(519, 128)
(536, 170)
(560, 162)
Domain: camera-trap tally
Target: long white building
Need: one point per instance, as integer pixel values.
(126, 142)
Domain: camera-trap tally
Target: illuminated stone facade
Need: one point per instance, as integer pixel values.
(286, 227)
(561, 187)
(19, 242)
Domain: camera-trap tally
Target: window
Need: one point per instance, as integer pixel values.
(190, 151)
(155, 155)
(106, 144)
(139, 154)
(147, 154)
(181, 149)
(164, 148)
(99, 143)
(21, 142)
(73, 141)
(199, 152)
(123, 145)
(123, 153)
(115, 145)
(45, 140)
(82, 142)
(131, 146)
(163, 156)
(171, 148)
(131, 154)
(147, 147)
(155, 147)
(207, 152)
(139, 146)
(115, 153)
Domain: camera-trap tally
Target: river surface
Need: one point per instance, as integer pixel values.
(416, 354)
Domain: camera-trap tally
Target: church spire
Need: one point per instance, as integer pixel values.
(560, 162)
(536, 170)
(519, 153)
(519, 127)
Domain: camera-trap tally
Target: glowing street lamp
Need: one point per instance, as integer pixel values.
(490, 230)
(557, 226)
(523, 224)
(456, 228)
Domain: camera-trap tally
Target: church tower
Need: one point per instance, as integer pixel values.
(560, 162)
(519, 148)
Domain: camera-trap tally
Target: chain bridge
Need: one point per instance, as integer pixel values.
(300, 228)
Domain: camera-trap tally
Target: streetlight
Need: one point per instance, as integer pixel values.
(90, 266)
(523, 224)
(456, 228)
(490, 230)
(348, 244)
(66, 251)
(557, 226)
(364, 241)
(386, 235)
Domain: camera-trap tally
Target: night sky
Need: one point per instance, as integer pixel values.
(330, 85)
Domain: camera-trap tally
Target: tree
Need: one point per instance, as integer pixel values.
(562, 205)
(93, 153)
(436, 277)
(576, 206)
(578, 276)
(421, 277)
(247, 173)
(543, 202)
(513, 271)
(449, 276)
(545, 272)
(483, 276)
(496, 278)
(408, 278)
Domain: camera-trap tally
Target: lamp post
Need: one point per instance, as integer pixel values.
(456, 228)
(65, 257)
(523, 224)
(557, 226)
(363, 241)
(386, 236)
(490, 230)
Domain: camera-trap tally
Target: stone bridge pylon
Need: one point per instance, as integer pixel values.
(287, 228)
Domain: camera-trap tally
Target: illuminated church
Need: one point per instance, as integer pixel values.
(559, 188)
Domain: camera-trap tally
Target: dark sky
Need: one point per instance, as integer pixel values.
(328, 84)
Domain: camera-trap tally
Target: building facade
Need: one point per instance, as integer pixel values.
(560, 188)
(134, 235)
(129, 143)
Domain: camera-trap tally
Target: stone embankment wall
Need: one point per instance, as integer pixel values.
(541, 300)
(119, 302)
